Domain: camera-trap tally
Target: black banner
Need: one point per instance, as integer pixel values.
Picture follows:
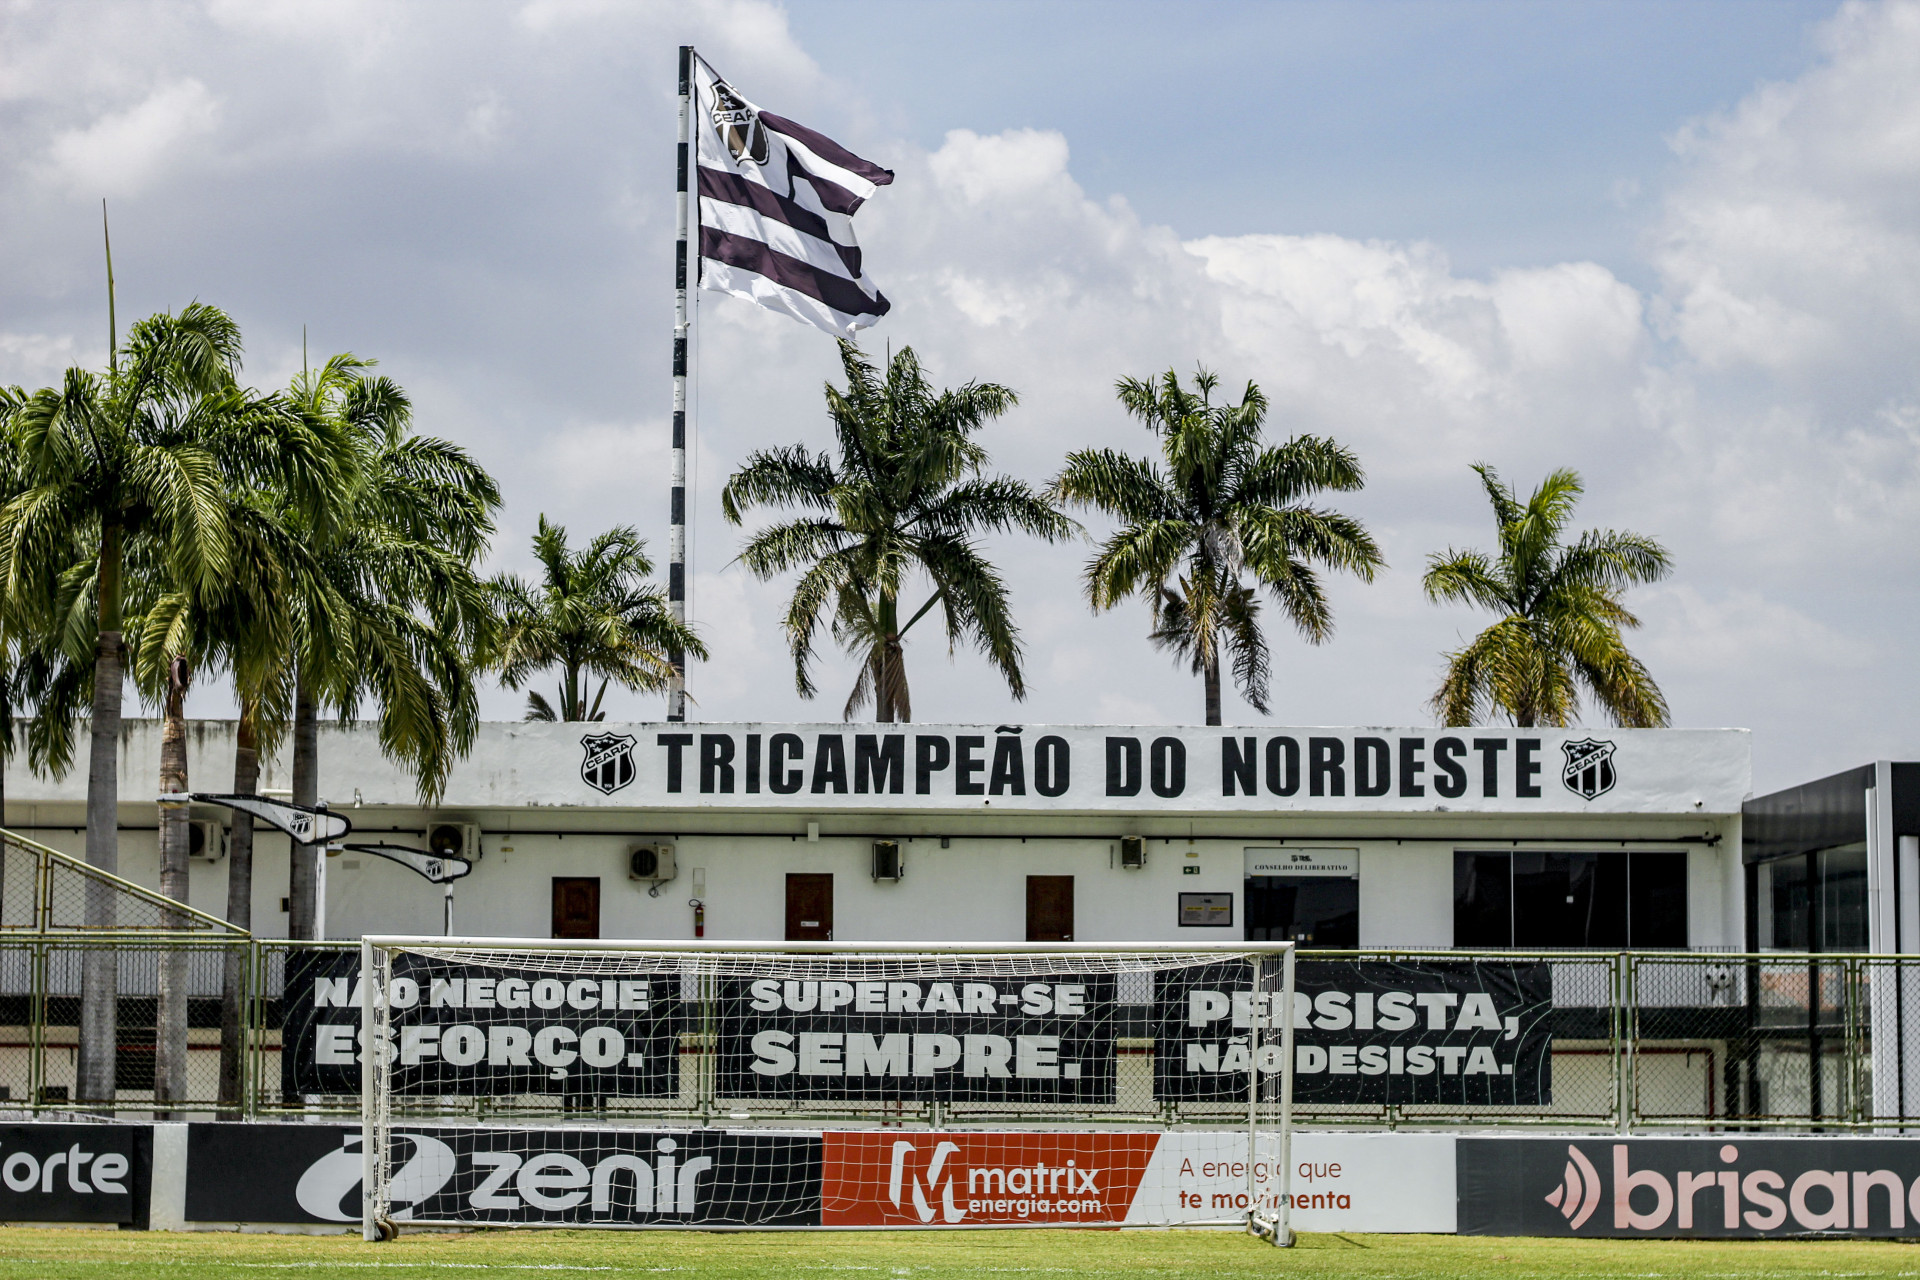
(483, 1031)
(74, 1172)
(1369, 1032)
(1733, 1185)
(602, 1176)
(990, 1038)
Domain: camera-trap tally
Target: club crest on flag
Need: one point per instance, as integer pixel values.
(1588, 771)
(739, 124)
(608, 765)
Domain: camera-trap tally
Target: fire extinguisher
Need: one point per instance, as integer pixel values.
(699, 917)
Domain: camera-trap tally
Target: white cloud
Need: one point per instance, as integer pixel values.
(34, 360)
(121, 152)
(1790, 242)
(477, 196)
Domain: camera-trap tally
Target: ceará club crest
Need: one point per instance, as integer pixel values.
(608, 763)
(739, 125)
(1588, 771)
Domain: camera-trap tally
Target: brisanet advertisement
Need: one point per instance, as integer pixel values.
(1731, 1185)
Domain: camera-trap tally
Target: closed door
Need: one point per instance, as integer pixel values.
(576, 906)
(809, 907)
(1049, 908)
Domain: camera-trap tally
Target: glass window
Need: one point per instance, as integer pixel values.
(1314, 911)
(1657, 911)
(1815, 901)
(1786, 910)
(1569, 900)
(1574, 898)
(1482, 900)
(1843, 898)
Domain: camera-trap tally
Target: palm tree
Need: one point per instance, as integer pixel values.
(906, 494)
(389, 607)
(593, 614)
(1560, 615)
(129, 462)
(175, 634)
(1225, 517)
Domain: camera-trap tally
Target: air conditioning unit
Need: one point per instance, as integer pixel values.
(651, 863)
(887, 864)
(1133, 852)
(206, 840)
(454, 838)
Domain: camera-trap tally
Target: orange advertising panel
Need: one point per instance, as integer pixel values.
(901, 1179)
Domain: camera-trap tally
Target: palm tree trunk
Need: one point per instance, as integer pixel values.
(303, 877)
(889, 694)
(246, 780)
(170, 1030)
(99, 970)
(1210, 669)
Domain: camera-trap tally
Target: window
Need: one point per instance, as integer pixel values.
(1573, 898)
(1314, 911)
(1815, 901)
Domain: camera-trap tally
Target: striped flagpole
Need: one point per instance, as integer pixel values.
(677, 535)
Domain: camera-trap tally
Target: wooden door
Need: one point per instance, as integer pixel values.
(1049, 908)
(576, 906)
(809, 907)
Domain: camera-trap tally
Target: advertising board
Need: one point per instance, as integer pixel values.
(74, 1172)
(1732, 1185)
(506, 1176)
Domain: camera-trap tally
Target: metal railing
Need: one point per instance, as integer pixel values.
(1640, 1040)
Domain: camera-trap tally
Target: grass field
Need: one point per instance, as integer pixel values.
(85, 1255)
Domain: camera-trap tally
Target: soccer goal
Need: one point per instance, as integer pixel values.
(823, 1085)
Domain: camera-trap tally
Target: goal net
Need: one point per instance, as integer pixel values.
(796, 1085)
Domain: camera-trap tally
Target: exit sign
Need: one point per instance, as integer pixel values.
(1189, 871)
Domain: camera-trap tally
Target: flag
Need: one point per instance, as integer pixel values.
(776, 206)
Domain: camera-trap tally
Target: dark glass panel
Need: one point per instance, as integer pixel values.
(1658, 911)
(1788, 906)
(1482, 899)
(1569, 899)
(1314, 911)
(1843, 898)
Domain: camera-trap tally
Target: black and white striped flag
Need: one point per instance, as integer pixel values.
(776, 211)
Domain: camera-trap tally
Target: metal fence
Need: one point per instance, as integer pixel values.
(1641, 1040)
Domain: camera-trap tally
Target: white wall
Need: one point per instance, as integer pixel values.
(1406, 894)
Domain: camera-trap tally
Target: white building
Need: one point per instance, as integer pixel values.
(1352, 836)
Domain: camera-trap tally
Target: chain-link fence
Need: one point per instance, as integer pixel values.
(1637, 1039)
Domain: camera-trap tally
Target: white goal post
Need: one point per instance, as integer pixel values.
(609, 1083)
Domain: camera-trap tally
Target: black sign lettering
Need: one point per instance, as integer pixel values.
(1412, 766)
(1489, 749)
(1123, 766)
(931, 754)
(879, 763)
(1326, 767)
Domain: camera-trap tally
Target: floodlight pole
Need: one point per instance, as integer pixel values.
(677, 521)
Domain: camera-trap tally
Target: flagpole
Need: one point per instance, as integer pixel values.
(677, 533)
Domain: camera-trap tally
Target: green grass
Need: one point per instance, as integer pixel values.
(86, 1255)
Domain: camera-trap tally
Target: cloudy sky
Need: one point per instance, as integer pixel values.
(1676, 247)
